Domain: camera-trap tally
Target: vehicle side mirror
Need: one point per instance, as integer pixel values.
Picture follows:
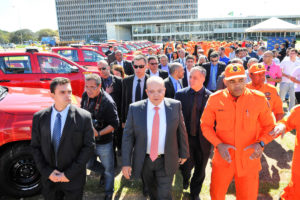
(74, 69)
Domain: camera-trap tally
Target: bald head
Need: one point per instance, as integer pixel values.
(155, 90)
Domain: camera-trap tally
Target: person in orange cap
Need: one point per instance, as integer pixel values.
(288, 123)
(257, 74)
(237, 121)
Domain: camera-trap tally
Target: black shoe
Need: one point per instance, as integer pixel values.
(102, 181)
(108, 197)
(185, 184)
(145, 192)
(193, 197)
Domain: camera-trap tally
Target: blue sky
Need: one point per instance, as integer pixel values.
(39, 14)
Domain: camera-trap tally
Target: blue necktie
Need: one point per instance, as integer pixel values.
(56, 132)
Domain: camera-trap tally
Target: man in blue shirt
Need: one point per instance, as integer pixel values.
(213, 68)
(223, 57)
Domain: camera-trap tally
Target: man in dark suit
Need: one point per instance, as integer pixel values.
(153, 68)
(181, 59)
(154, 140)
(214, 69)
(173, 82)
(127, 66)
(112, 57)
(113, 86)
(193, 100)
(190, 63)
(133, 87)
(109, 51)
(62, 143)
(169, 53)
(164, 65)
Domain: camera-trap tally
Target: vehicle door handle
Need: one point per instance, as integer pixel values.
(4, 81)
(45, 79)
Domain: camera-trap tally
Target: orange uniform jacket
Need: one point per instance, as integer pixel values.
(292, 191)
(238, 123)
(272, 96)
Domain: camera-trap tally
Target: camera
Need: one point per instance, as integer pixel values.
(97, 125)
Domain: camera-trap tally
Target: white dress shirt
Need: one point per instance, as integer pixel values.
(162, 126)
(120, 63)
(288, 67)
(63, 118)
(156, 74)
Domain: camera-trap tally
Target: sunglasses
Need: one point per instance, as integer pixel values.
(138, 66)
(153, 63)
(103, 68)
(213, 60)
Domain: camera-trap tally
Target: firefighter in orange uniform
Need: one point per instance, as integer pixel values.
(257, 73)
(288, 123)
(237, 121)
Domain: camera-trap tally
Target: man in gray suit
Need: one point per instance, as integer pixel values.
(154, 140)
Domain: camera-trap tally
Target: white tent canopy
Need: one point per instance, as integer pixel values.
(274, 25)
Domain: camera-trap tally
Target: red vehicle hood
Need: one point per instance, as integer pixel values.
(28, 100)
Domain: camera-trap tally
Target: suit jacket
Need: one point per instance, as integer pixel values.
(170, 90)
(77, 145)
(221, 68)
(128, 68)
(127, 85)
(186, 97)
(134, 142)
(185, 79)
(111, 58)
(162, 73)
(117, 91)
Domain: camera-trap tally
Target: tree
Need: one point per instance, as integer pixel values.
(4, 37)
(46, 33)
(22, 35)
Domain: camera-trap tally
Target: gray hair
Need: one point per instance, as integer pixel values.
(269, 52)
(118, 51)
(104, 62)
(95, 77)
(174, 67)
(251, 60)
(200, 69)
(155, 79)
(236, 60)
(140, 57)
(164, 56)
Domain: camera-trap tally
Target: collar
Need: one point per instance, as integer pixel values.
(173, 79)
(136, 78)
(151, 105)
(63, 112)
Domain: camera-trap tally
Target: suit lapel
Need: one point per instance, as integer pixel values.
(143, 116)
(168, 110)
(130, 86)
(47, 127)
(144, 90)
(69, 122)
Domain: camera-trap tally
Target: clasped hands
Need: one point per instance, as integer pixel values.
(57, 176)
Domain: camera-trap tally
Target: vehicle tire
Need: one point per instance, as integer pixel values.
(18, 172)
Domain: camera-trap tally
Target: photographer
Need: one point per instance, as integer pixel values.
(105, 120)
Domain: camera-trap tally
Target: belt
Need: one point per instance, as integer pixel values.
(158, 156)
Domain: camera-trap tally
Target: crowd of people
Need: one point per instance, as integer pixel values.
(166, 111)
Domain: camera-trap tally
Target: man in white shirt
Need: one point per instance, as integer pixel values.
(153, 69)
(295, 77)
(287, 85)
(156, 154)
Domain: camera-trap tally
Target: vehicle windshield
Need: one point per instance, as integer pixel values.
(131, 47)
(3, 92)
(123, 49)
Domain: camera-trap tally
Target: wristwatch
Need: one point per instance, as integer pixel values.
(262, 144)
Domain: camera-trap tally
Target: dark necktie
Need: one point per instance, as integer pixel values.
(138, 91)
(193, 126)
(56, 132)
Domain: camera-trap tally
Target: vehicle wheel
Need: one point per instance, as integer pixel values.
(19, 175)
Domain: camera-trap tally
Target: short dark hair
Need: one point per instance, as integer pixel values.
(58, 81)
(222, 48)
(152, 58)
(110, 46)
(190, 57)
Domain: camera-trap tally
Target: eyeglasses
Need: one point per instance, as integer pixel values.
(91, 88)
(153, 63)
(213, 60)
(138, 66)
(103, 68)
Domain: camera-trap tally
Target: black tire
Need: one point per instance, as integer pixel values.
(19, 175)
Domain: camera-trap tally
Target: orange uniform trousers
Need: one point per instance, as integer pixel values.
(292, 191)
